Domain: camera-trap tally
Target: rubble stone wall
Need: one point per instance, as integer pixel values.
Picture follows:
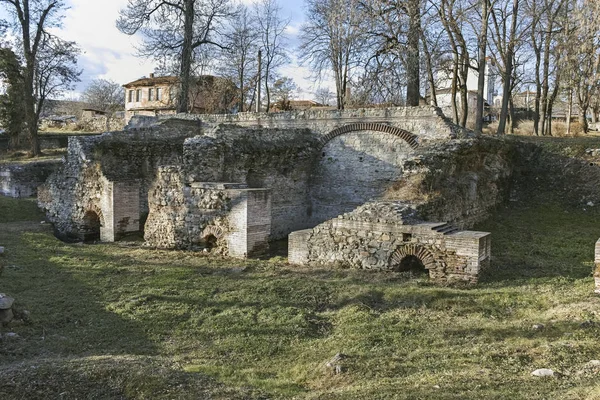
(358, 240)
(22, 179)
(186, 216)
(427, 122)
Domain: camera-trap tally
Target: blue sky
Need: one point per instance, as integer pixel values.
(109, 54)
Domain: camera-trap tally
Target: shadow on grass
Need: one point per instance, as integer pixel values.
(67, 312)
(533, 241)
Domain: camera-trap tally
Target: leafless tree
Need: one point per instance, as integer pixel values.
(324, 95)
(238, 60)
(453, 15)
(176, 29)
(50, 63)
(505, 37)
(332, 40)
(271, 30)
(103, 94)
(393, 36)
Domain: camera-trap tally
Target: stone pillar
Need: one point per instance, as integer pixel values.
(298, 247)
(120, 205)
(250, 222)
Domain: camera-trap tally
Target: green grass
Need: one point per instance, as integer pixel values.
(111, 321)
(14, 210)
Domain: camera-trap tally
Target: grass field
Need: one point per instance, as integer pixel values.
(113, 321)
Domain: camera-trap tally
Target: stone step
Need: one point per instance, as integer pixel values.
(445, 229)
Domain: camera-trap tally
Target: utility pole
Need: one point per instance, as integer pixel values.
(259, 83)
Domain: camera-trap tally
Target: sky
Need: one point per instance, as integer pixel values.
(110, 54)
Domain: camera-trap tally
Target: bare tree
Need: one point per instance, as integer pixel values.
(104, 95)
(271, 30)
(175, 30)
(481, 64)
(238, 60)
(505, 41)
(49, 61)
(283, 92)
(393, 62)
(332, 40)
(453, 15)
(324, 95)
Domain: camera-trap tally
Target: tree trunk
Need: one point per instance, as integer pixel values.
(430, 76)
(582, 118)
(454, 87)
(508, 70)
(481, 67)
(413, 84)
(569, 110)
(186, 57)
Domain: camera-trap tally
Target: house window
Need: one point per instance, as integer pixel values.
(130, 96)
(150, 94)
(138, 95)
(158, 94)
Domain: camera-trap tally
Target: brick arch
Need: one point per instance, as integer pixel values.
(408, 137)
(97, 210)
(424, 255)
(212, 230)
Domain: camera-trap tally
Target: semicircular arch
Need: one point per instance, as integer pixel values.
(422, 253)
(410, 138)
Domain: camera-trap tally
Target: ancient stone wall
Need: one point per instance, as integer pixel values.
(354, 168)
(108, 175)
(23, 179)
(226, 218)
(427, 122)
(274, 159)
(460, 181)
(381, 236)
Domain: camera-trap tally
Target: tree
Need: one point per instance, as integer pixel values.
(393, 63)
(104, 95)
(324, 95)
(283, 89)
(49, 62)
(332, 40)
(175, 30)
(11, 102)
(238, 59)
(505, 38)
(271, 30)
(481, 64)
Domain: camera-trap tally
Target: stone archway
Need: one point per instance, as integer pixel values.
(408, 137)
(409, 252)
(357, 163)
(92, 223)
(210, 237)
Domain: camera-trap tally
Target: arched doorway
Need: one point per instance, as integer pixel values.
(413, 258)
(90, 230)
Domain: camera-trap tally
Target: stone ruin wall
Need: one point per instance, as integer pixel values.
(108, 175)
(427, 122)
(370, 239)
(303, 171)
(22, 179)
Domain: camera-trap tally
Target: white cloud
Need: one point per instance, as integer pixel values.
(110, 54)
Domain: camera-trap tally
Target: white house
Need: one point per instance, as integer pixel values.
(444, 89)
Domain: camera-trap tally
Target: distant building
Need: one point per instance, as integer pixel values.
(444, 89)
(297, 105)
(158, 95)
(91, 113)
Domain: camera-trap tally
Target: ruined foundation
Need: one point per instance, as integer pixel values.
(230, 184)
